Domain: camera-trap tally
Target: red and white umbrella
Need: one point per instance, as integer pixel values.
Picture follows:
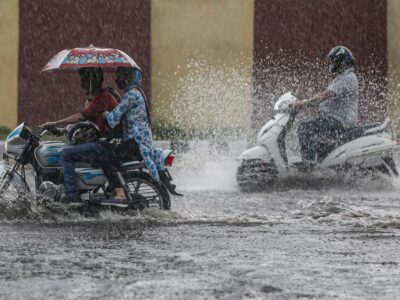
(73, 59)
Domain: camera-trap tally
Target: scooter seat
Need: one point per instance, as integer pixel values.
(375, 127)
(369, 126)
(361, 130)
(349, 134)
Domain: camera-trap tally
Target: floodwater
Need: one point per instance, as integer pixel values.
(337, 241)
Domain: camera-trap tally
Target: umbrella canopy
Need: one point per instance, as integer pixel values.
(73, 59)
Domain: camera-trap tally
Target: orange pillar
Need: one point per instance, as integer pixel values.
(202, 55)
(393, 46)
(9, 21)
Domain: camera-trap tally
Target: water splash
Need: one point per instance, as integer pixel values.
(348, 211)
(208, 101)
(208, 166)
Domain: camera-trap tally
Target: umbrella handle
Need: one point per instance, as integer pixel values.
(90, 86)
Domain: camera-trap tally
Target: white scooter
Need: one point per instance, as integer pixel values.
(362, 149)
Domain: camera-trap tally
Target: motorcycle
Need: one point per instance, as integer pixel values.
(25, 148)
(365, 149)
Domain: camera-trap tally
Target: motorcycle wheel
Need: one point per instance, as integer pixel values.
(390, 166)
(13, 194)
(387, 168)
(254, 175)
(146, 193)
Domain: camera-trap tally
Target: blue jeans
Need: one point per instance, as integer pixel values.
(312, 133)
(88, 152)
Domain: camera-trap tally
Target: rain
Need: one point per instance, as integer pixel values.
(212, 74)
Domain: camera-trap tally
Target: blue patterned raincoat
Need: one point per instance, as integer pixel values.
(131, 111)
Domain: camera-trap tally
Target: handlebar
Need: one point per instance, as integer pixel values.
(41, 131)
(38, 132)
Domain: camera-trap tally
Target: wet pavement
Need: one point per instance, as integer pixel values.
(314, 242)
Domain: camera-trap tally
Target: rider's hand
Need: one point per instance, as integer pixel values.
(61, 130)
(48, 125)
(297, 105)
(58, 131)
(54, 131)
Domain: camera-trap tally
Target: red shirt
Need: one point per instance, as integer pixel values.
(99, 104)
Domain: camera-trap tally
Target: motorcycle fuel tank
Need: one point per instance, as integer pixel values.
(48, 154)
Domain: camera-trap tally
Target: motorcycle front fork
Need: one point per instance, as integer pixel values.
(7, 177)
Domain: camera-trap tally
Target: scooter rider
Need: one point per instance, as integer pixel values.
(338, 105)
(99, 101)
(133, 113)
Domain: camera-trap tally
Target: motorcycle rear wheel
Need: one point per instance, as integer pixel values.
(146, 193)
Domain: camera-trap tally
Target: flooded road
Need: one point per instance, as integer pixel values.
(216, 243)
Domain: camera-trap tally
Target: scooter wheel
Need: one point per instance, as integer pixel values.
(253, 175)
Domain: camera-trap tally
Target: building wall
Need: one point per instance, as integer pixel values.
(9, 18)
(200, 65)
(201, 62)
(393, 45)
(48, 26)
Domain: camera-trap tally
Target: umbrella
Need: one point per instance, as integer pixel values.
(107, 58)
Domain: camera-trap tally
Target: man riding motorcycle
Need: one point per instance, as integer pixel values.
(100, 100)
(338, 106)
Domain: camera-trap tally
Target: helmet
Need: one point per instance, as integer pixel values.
(340, 57)
(95, 74)
(83, 132)
(91, 79)
(127, 76)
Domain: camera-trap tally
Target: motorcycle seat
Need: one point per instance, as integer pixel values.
(82, 164)
(134, 164)
(128, 164)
